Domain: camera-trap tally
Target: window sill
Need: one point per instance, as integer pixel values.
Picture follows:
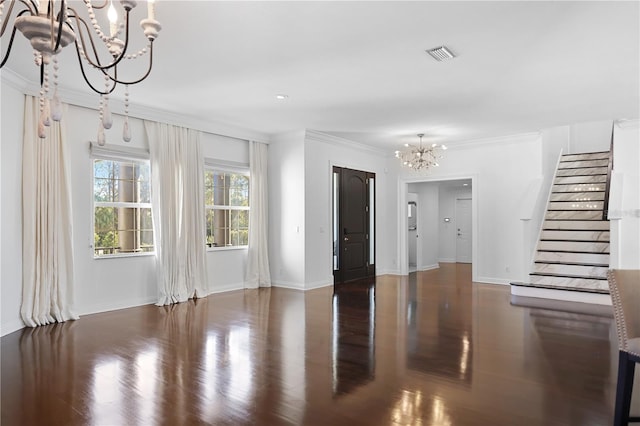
(122, 255)
(228, 248)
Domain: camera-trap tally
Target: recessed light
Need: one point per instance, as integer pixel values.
(281, 97)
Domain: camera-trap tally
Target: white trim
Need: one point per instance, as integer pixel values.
(500, 140)
(429, 267)
(633, 123)
(116, 152)
(446, 260)
(143, 112)
(101, 308)
(227, 166)
(318, 284)
(387, 272)
(12, 326)
(226, 248)
(564, 295)
(316, 136)
(226, 288)
(491, 280)
(287, 284)
(121, 255)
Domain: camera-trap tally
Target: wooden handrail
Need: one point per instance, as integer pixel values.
(605, 206)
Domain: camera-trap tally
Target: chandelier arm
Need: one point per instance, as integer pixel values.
(115, 78)
(97, 64)
(6, 21)
(60, 18)
(84, 75)
(101, 7)
(80, 20)
(13, 34)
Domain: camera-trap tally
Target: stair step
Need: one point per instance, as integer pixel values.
(550, 262)
(581, 225)
(574, 215)
(581, 271)
(566, 283)
(564, 180)
(582, 171)
(577, 196)
(573, 246)
(572, 257)
(585, 156)
(573, 235)
(575, 205)
(579, 187)
(583, 163)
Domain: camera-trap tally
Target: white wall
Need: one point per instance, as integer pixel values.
(287, 210)
(448, 233)
(591, 136)
(501, 169)
(428, 224)
(322, 152)
(107, 283)
(625, 198)
(12, 112)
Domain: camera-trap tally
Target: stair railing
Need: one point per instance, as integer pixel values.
(605, 209)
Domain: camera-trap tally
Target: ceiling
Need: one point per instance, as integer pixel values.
(359, 69)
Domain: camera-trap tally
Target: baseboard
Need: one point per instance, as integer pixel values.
(446, 260)
(318, 284)
(387, 272)
(429, 267)
(490, 280)
(97, 309)
(288, 284)
(227, 287)
(12, 326)
(562, 295)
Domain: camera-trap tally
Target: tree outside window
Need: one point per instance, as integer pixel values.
(227, 208)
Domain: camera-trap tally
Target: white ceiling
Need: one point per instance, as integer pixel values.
(359, 69)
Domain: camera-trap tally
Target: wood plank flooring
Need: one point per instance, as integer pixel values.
(429, 349)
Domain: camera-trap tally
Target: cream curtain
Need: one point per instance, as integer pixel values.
(177, 172)
(258, 274)
(47, 253)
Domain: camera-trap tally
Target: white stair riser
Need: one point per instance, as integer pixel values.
(583, 163)
(580, 179)
(574, 246)
(581, 270)
(576, 235)
(576, 205)
(585, 156)
(591, 258)
(578, 196)
(580, 187)
(575, 215)
(582, 172)
(577, 283)
(600, 225)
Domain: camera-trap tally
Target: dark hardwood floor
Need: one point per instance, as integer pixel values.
(431, 349)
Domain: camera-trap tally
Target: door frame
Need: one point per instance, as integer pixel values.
(338, 276)
(402, 225)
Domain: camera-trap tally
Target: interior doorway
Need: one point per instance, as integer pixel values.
(444, 216)
(353, 224)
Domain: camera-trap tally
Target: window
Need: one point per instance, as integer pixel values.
(122, 221)
(227, 208)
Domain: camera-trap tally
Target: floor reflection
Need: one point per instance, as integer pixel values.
(353, 335)
(439, 330)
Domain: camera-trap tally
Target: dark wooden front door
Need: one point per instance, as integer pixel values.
(355, 222)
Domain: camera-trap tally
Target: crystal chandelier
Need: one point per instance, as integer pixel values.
(50, 25)
(420, 157)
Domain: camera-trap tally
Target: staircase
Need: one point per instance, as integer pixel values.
(573, 251)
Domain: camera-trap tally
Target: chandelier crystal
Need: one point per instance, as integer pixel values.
(420, 157)
(51, 25)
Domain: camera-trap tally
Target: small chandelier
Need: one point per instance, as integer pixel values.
(51, 25)
(420, 157)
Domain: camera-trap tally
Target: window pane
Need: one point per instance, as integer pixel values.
(239, 190)
(226, 227)
(122, 229)
(239, 227)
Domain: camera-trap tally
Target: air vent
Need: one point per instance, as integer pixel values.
(441, 53)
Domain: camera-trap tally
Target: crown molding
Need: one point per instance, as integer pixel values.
(316, 136)
(90, 101)
(499, 140)
(633, 123)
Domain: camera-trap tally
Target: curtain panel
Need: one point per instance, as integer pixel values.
(258, 274)
(47, 226)
(177, 197)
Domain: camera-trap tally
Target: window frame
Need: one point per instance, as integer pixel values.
(120, 154)
(231, 168)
